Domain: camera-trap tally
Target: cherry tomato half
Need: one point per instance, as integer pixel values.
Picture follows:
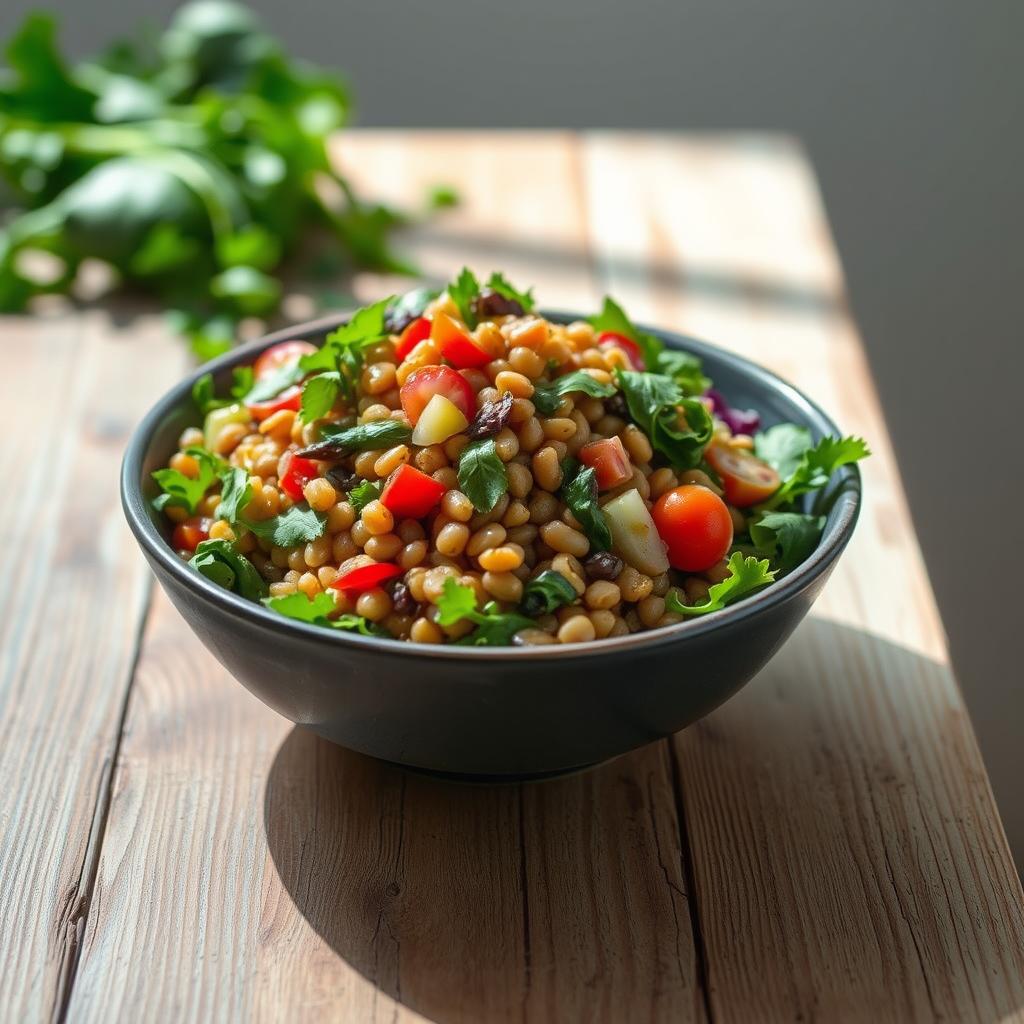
(366, 576)
(282, 354)
(190, 533)
(296, 473)
(609, 461)
(695, 524)
(746, 479)
(421, 386)
(416, 332)
(410, 494)
(290, 398)
(456, 345)
(612, 339)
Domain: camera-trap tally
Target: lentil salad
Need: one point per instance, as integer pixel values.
(455, 468)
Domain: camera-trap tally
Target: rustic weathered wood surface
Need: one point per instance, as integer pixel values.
(825, 846)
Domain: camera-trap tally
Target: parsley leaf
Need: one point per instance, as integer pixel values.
(500, 284)
(235, 493)
(185, 492)
(299, 525)
(783, 446)
(317, 610)
(546, 592)
(363, 493)
(494, 628)
(463, 291)
(546, 397)
(816, 467)
(218, 561)
(319, 393)
(482, 476)
(788, 537)
(580, 494)
(746, 574)
(340, 441)
(654, 403)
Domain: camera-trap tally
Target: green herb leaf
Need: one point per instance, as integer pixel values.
(464, 291)
(342, 351)
(218, 561)
(185, 492)
(816, 467)
(655, 402)
(685, 369)
(783, 446)
(363, 493)
(340, 441)
(274, 383)
(787, 537)
(318, 611)
(408, 307)
(204, 397)
(319, 394)
(299, 525)
(546, 592)
(546, 397)
(242, 382)
(482, 476)
(494, 628)
(580, 494)
(235, 493)
(746, 574)
(500, 284)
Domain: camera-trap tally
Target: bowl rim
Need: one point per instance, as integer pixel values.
(837, 532)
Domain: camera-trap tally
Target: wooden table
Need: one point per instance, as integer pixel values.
(825, 846)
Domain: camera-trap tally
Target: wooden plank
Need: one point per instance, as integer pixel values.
(75, 588)
(252, 872)
(848, 855)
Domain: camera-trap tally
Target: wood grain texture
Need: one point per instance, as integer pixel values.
(74, 592)
(824, 846)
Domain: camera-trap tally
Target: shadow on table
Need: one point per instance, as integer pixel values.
(421, 884)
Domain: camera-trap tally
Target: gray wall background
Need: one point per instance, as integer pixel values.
(911, 114)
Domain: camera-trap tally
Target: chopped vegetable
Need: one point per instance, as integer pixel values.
(190, 533)
(421, 386)
(296, 472)
(609, 461)
(217, 419)
(482, 475)
(411, 494)
(746, 479)
(739, 421)
(365, 576)
(456, 345)
(438, 421)
(580, 494)
(218, 561)
(695, 524)
(412, 335)
(635, 538)
(746, 575)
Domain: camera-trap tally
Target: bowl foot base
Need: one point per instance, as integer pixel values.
(492, 779)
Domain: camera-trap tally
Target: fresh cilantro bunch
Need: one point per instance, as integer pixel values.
(194, 164)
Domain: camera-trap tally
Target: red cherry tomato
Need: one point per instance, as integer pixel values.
(410, 494)
(190, 533)
(695, 524)
(612, 339)
(296, 473)
(421, 386)
(416, 332)
(290, 398)
(609, 461)
(282, 354)
(746, 479)
(366, 577)
(456, 345)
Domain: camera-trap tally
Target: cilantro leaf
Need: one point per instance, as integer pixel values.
(204, 397)
(235, 493)
(317, 611)
(500, 284)
(580, 494)
(494, 628)
(655, 403)
(299, 525)
(816, 467)
(746, 574)
(546, 592)
(363, 493)
(482, 476)
(218, 561)
(183, 491)
(546, 397)
(783, 446)
(789, 537)
(342, 350)
(340, 441)
(319, 393)
(463, 291)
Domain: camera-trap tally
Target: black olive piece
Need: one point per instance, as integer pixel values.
(603, 565)
(490, 304)
(491, 417)
(342, 479)
(615, 405)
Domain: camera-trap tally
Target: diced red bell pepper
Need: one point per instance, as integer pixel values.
(290, 398)
(456, 345)
(410, 494)
(612, 339)
(190, 533)
(609, 461)
(297, 472)
(416, 332)
(366, 576)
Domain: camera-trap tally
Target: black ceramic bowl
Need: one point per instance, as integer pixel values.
(481, 711)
